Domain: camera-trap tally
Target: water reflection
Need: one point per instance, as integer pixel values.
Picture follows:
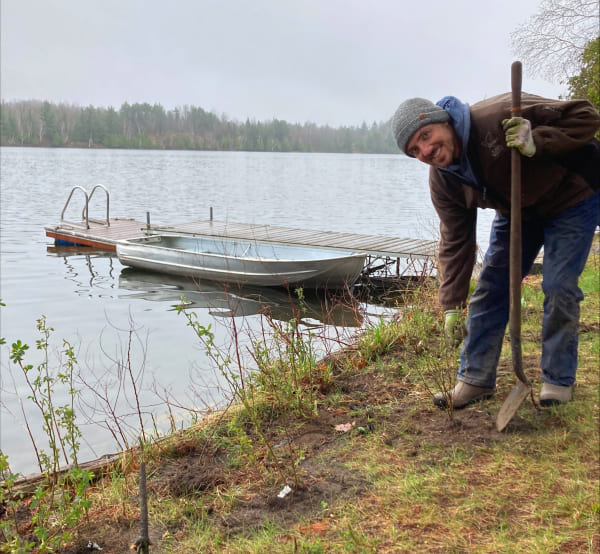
(233, 301)
(316, 307)
(92, 276)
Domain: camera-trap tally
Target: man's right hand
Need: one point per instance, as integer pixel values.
(454, 327)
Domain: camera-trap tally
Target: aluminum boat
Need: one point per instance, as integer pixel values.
(243, 262)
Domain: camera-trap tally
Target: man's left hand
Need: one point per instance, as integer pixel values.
(518, 135)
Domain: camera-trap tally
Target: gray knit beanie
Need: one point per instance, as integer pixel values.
(413, 114)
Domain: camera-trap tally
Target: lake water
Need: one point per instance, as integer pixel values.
(97, 305)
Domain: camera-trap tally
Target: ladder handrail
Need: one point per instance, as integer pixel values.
(85, 210)
(84, 215)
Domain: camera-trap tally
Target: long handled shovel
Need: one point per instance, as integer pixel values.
(523, 386)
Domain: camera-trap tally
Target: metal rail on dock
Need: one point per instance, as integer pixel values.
(85, 212)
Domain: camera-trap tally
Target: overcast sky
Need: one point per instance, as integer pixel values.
(336, 62)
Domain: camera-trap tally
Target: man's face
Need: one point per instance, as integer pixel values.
(435, 144)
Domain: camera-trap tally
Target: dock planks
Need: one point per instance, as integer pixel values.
(106, 237)
(99, 235)
(375, 245)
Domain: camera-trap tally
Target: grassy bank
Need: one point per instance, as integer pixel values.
(371, 465)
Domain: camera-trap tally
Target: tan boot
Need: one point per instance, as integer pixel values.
(462, 395)
(554, 394)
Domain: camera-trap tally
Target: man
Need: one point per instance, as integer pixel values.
(468, 149)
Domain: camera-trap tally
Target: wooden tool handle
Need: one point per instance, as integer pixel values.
(515, 254)
(516, 78)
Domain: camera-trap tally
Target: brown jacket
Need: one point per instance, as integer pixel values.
(548, 187)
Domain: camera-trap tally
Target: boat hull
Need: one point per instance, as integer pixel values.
(242, 262)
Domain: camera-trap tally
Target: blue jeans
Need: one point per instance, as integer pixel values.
(567, 240)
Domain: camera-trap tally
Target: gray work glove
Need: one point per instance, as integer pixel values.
(518, 135)
(454, 327)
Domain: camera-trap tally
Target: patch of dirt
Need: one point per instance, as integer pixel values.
(593, 327)
(325, 484)
(409, 421)
(113, 535)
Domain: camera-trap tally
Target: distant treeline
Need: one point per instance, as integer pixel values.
(145, 126)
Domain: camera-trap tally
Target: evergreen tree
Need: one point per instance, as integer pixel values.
(49, 130)
(8, 127)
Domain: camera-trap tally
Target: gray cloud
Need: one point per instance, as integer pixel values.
(337, 62)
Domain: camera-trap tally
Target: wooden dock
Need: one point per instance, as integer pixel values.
(99, 235)
(105, 237)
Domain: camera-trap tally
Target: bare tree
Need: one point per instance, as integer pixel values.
(551, 42)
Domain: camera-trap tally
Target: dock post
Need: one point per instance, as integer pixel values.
(211, 213)
(147, 221)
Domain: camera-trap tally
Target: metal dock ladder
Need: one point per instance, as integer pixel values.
(98, 233)
(85, 212)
